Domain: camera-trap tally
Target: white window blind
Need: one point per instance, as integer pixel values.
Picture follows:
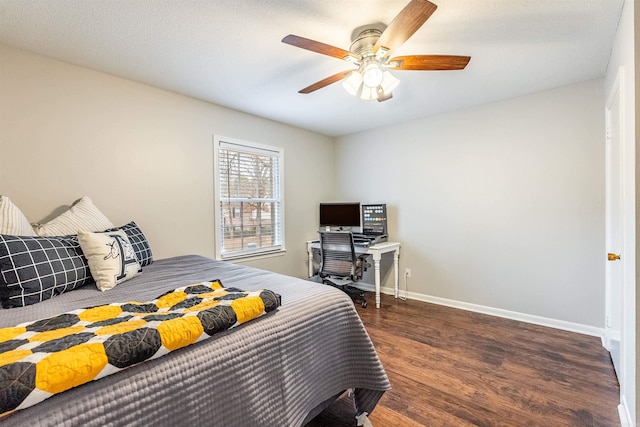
(249, 198)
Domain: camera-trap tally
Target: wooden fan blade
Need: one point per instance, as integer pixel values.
(318, 47)
(429, 62)
(325, 82)
(404, 25)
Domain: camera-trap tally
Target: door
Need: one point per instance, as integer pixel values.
(614, 228)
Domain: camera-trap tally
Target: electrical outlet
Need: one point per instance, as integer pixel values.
(407, 272)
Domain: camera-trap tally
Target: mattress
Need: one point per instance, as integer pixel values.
(272, 371)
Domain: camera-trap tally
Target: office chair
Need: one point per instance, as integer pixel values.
(339, 265)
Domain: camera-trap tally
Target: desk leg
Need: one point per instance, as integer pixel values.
(376, 264)
(310, 262)
(396, 255)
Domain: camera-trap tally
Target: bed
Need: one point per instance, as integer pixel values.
(277, 370)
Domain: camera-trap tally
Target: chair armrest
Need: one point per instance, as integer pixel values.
(361, 262)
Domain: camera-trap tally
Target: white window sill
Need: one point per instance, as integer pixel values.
(253, 256)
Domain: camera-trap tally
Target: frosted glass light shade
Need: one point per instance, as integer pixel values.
(389, 82)
(352, 83)
(368, 93)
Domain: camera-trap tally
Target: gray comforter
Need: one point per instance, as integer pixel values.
(272, 371)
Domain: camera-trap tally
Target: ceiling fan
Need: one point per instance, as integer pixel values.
(371, 53)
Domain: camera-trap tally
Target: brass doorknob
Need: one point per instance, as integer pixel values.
(613, 257)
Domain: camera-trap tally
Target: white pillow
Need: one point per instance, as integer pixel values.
(12, 220)
(82, 215)
(111, 257)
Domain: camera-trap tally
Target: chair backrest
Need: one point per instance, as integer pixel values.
(338, 255)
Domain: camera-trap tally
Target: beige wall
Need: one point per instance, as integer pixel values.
(500, 206)
(141, 154)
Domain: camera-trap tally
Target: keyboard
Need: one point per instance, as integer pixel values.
(363, 236)
(368, 239)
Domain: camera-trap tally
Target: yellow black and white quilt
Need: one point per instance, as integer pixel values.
(44, 357)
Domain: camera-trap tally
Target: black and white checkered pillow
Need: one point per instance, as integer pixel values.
(138, 241)
(34, 269)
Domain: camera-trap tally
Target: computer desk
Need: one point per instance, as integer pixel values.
(376, 251)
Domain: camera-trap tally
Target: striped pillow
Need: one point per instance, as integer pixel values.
(82, 215)
(12, 220)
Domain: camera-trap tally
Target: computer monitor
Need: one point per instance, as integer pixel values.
(374, 219)
(340, 215)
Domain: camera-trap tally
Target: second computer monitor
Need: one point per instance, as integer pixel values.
(374, 219)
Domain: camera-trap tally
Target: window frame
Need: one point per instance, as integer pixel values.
(221, 142)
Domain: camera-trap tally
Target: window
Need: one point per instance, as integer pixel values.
(249, 202)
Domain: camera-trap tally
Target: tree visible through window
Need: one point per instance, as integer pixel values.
(249, 202)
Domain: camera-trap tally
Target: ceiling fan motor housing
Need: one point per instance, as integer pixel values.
(363, 44)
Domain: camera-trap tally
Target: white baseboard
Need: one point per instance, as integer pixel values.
(513, 315)
(623, 413)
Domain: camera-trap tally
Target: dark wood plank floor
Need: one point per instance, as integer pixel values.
(452, 367)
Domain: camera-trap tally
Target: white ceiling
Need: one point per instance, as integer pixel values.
(228, 52)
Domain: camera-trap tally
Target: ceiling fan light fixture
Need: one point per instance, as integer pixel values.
(372, 74)
(377, 87)
(352, 83)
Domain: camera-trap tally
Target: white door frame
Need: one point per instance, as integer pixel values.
(618, 93)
